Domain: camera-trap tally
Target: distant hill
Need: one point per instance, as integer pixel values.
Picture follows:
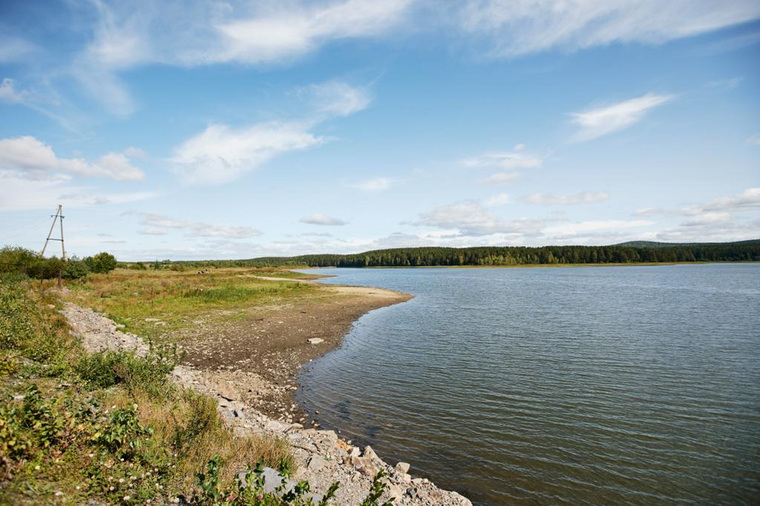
(652, 244)
(629, 252)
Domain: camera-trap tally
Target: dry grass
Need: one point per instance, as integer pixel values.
(190, 425)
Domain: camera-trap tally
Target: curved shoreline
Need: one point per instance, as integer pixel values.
(322, 457)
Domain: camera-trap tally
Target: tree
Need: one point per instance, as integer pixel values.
(102, 262)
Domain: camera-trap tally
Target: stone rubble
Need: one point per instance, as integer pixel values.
(322, 458)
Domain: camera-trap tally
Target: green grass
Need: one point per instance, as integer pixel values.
(177, 299)
(107, 427)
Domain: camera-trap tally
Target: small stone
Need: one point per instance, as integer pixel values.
(315, 463)
(316, 340)
(402, 467)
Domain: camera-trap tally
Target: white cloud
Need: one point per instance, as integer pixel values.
(586, 229)
(500, 178)
(754, 140)
(749, 199)
(296, 29)
(516, 27)
(335, 98)
(19, 193)
(321, 219)
(605, 120)
(472, 219)
(29, 157)
(376, 184)
(708, 218)
(711, 229)
(546, 199)
(157, 224)
(134, 152)
(497, 200)
(8, 92)
(515, 160)
(221, 154)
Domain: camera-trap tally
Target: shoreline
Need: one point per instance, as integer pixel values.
(321, 456)
(257, 355)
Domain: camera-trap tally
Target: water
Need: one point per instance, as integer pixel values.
(593, 385)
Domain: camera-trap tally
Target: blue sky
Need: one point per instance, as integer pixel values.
(205, 129)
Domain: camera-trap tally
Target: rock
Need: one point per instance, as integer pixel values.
(402, 467)
(316, 340)
(315, 463)
(395, 492)
(370, 453)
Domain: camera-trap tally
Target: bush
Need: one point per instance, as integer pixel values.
(102, 263)
(75, 269)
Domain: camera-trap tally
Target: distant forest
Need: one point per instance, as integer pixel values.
(637, 252)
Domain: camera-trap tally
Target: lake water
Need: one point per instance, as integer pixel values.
(592, 385)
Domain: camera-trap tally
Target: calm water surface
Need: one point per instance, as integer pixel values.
(600, 385)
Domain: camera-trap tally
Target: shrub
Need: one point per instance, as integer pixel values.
(101, 263)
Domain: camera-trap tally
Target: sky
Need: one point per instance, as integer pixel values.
(210, 129)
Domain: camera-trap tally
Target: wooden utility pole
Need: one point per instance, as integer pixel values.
(58, 216)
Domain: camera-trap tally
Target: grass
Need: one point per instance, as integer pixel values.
(177, 299)
(107, 427)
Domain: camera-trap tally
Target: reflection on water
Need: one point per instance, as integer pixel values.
(557, 385)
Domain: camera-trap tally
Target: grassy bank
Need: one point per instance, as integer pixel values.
(155, 304)
(109, 426)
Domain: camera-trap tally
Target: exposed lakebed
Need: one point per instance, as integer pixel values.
(556, 385)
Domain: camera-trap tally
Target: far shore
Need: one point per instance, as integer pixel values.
(518, 266)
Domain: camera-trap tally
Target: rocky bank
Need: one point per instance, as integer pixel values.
(322, 457)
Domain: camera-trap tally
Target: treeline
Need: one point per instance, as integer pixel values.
(24, 261)
(746, 251)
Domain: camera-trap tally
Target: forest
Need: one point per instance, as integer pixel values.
(626, 253)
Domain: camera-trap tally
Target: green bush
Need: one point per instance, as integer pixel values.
(101, 263)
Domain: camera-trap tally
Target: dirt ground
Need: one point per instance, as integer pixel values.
(255, 353)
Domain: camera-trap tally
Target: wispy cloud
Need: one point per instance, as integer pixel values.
(600, 121)
(9, 93)
(335, 98)
(747, 200)
(754, 140)
(500, 178)
(497, 200)
(298, 28)
(20, 193)
(510, 160)
(588, 229)
(546, 199)
(221, 154)
(159, 224)
(31, 158)
(376, 184)
(472, 219)
(510, 28)
(321, 219)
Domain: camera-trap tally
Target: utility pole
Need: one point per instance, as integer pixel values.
(58, 216)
